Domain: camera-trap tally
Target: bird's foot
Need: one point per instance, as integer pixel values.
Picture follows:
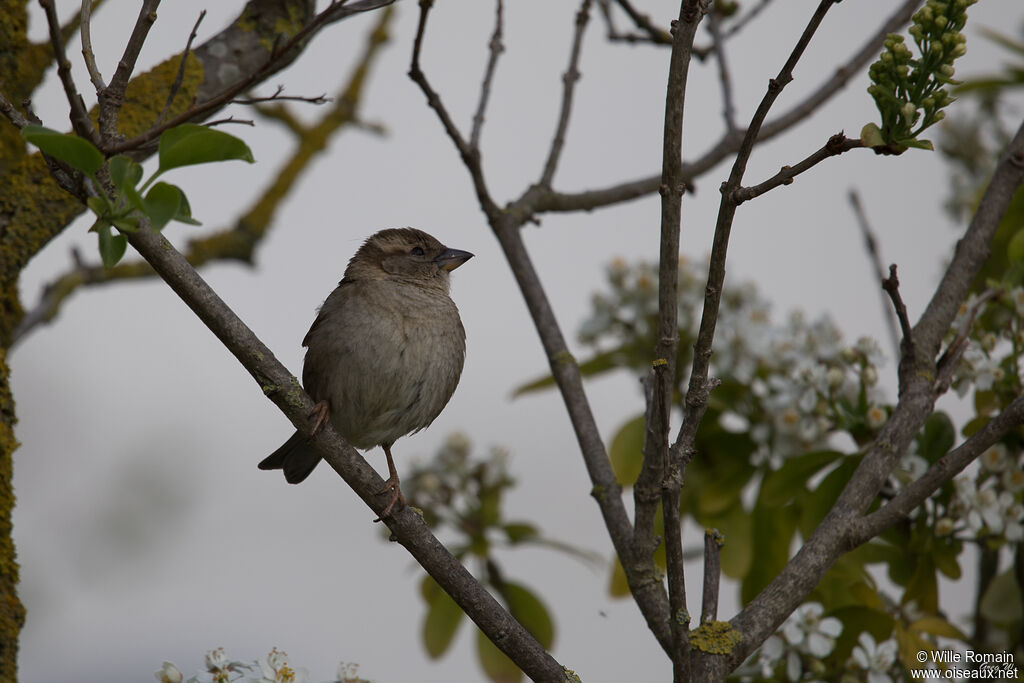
(390, 486)
(319, 415)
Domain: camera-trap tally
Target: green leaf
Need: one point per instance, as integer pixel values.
(125, 223)
(602, 362)
(442, 621)
(518, 532)
(99, 206)
(937, 437)
(530, 612)
(1002, 602)
(124, 172)
(937, 626)
(190, 144)
(1015, 250)
(618, 587)
(184, 214)
(738, 552)
(871, 136)
(772, 534)
(162, 204)
(626, 451)
(112, 247)
(779, 487)
(493, 661)
(71, 149)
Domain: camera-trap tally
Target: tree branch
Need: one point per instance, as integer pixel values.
(569, 80)
(837, 144)
(875, 257)
(112, 97)
(87, 54)
(841, 528)
(713, 542)
(495, 47)
(79, 116)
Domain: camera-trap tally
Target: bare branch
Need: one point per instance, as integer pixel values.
(837, 144)
(944, 469)
(713, 542)
(718, 47)
(696, 395)
(871, 246)
(572, 75)
(112, 97)
(840, 530)
(470, 155)
(87, 53)
(729, 144)
(891, 285)
(180, 76)
(659, 467)
(496, 48)
(11, 112)
(279, 56)
(79, 115)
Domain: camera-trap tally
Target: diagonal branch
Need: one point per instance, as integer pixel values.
(840, 530)
(730, 144)
(871, 246)
(569, 80)
(837, 144)
(496, 47)
(79, 116)
(112, 97)
(697, 393)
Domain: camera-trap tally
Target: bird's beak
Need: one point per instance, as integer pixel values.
(450, 259)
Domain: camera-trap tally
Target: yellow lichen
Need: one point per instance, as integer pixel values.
(715, 637)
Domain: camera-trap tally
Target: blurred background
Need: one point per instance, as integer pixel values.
(144, 530)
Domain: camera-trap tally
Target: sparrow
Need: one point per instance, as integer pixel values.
(385, 352)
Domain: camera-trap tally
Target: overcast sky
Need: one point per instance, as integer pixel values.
(145, 531)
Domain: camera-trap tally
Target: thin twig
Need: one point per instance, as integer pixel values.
(496, 47)
(111, 98)
(697, 393)
(650, 32)
(569, 80)
(179, 77)
(278, 97)
(80, 121)
(729, 144)
(891, 285)
(837, 144)
(470, 156)
(944, 469)
(87, 53)
(12, 114)
(334, 12)
(713, 542)
(875, 257)
(839, 532)
(718, 46)
(666, 349)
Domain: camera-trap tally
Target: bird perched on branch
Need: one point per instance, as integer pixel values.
(385, 352)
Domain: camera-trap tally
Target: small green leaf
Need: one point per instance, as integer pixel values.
(1015, 250)
(124, 172)
(441, 623)
(112, 247)
(518, 532)
(626, 451)
(163, 201)
(937, 437)
(184, 214)
(871, 136)
(779, 487)
(1001, 602)
(496, 665)
(71, 149)
(125, 223)
(618, 586)
(190, 144)
(530, 612)
(99, 206)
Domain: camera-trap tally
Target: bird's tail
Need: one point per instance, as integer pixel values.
(296, 457)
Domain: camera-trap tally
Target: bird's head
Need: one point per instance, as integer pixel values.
(405, 254)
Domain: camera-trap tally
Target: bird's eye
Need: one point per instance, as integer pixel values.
(417, 251)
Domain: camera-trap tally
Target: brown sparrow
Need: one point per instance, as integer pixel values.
(385, 352)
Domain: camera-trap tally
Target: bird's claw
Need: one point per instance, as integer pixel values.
(390, 486)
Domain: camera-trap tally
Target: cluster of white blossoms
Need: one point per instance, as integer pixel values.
(988, 503)
(274, 668)
(796, 652)
(991, 359)
(804, 383)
